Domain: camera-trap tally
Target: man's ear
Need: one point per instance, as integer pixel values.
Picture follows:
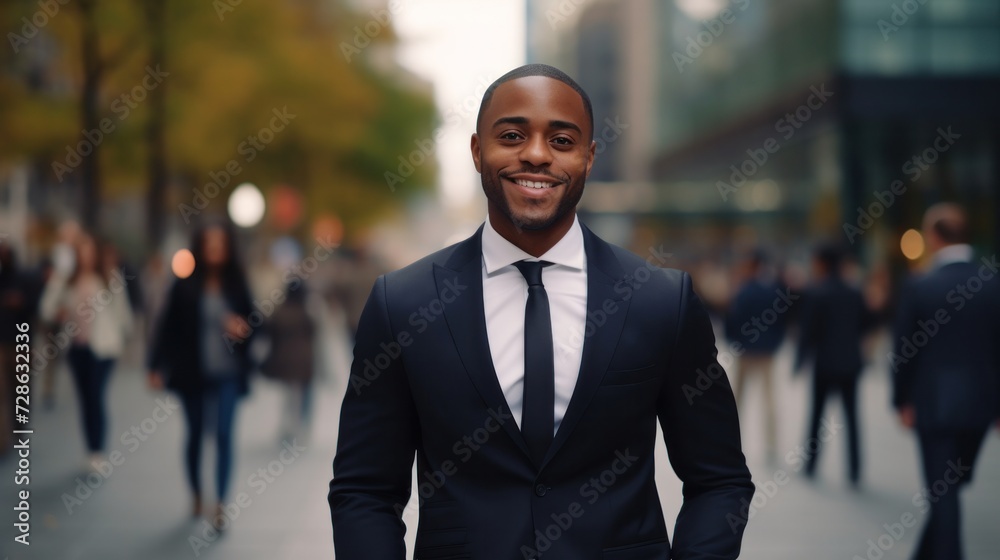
(476, 154)
(591, 154)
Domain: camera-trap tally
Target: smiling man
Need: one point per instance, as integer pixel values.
(530, 389)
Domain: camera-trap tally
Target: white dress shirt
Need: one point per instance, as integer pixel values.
(505, 293)
(959, 252)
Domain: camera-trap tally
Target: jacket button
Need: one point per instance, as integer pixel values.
(540, 490)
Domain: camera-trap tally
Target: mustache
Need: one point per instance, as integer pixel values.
(530, 171)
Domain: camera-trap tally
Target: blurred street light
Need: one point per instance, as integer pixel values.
(701, 10)
(246, 205)
(182, 264)
(912, 244)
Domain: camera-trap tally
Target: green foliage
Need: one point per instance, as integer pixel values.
(229, 68)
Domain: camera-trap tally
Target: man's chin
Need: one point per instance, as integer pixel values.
(533, 223)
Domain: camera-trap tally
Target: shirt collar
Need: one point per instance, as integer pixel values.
(498, 252)
(959, 252)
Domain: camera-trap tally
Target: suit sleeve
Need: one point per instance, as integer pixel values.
(901, 366)
(702, 434)
(375, 450)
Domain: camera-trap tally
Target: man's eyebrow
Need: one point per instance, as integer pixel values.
(524, 120)
(510, 120)
(565, 124)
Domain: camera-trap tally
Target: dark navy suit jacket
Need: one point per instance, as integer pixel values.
(745, 319)
(833, 321)
(946, 355)
(423, 383)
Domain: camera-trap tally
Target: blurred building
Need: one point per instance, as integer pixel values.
(785, 121)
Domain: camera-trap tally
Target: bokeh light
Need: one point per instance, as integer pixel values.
(182, 264)
(912, 244)
(701, 9)
(246, 205)
(284, 207)
(328, 230)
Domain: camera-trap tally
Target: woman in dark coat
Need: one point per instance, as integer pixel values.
(200, 351)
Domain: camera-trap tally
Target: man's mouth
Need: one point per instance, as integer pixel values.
(535, 184)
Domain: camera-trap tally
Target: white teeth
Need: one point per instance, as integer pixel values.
(534, 184)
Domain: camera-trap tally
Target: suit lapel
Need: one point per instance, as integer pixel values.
(604, 271)
(467, 323)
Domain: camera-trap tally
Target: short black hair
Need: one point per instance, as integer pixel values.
(951, 230)
(537, 70)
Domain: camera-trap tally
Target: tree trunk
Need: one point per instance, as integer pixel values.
(156, 129)
(89, 117)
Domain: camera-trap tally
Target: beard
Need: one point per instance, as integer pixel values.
(532, 217)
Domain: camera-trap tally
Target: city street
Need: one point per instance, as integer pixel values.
(138, 509)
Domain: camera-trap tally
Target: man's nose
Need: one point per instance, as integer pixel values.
(536, 151)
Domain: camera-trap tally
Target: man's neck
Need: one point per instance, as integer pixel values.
(534, 242)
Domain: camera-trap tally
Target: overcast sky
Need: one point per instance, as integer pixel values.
(460, 46)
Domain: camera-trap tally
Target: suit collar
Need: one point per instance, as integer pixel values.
(498, 252)
(467, 324)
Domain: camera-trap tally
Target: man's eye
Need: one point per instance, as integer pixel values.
(562, 140)
(510, 136)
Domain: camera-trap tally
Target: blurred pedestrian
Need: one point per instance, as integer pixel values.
(353, 274)
(17, 305)
(291, 331)
(114, 264)
(833, 322)
(757, 321)
(112, 261)
(200, 351)
(60, 261)
(946, 369)
(92, 310)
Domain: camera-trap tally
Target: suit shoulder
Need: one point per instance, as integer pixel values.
(632, 264)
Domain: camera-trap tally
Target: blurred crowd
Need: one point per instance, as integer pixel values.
(202, 324)
(198, 325)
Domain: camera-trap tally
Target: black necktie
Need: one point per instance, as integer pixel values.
(538, 405)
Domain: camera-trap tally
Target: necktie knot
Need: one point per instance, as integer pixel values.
(532, 271)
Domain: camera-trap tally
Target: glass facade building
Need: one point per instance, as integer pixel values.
(788, 121)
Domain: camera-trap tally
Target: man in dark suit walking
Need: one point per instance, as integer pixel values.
(833, 321)
(527, 367)
(946, 369)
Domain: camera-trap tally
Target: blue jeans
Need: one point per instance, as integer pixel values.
(90, 375)
(222, 394)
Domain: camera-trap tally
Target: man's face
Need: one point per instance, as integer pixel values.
(534, 152)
